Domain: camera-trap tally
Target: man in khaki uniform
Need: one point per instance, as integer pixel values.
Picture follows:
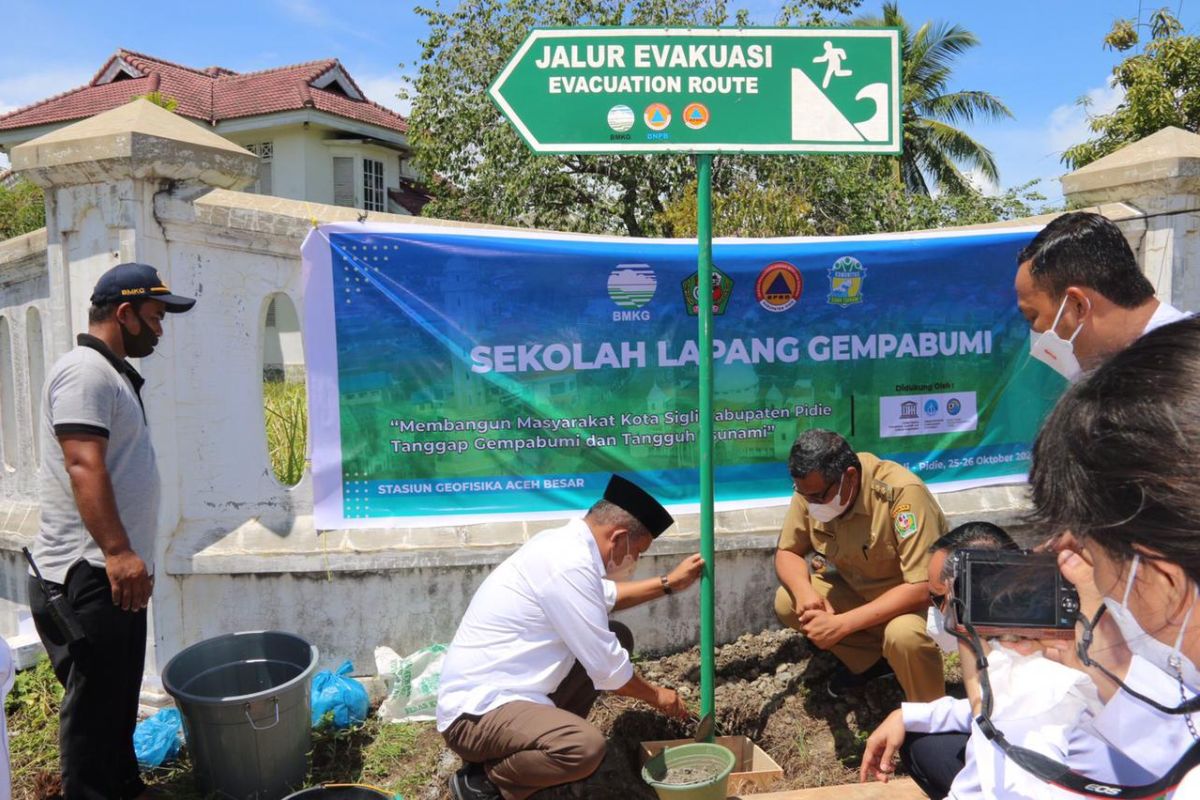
(853, 562)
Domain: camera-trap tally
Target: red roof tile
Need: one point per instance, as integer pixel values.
(209, 95)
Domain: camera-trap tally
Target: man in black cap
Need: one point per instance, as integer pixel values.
(99, 491)
(536, 647)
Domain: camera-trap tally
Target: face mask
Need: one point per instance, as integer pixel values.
(623, 569)
(139, 345)
(1054, 351)
(935, 626)
(827, 512)
(1170, 660)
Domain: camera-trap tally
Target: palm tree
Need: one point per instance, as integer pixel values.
(935, 151)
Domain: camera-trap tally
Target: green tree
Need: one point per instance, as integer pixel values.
(22, 209)
(935, 149)
(159, 99)
(1161, 85)
(485, 172)
(834, 196)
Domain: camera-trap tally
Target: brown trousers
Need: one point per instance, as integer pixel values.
(525, 747)
(902, 640)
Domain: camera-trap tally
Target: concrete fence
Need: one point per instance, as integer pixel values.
(237, 550)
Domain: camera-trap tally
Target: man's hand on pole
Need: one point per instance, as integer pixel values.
(686, 573)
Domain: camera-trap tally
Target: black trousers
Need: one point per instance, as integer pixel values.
(934, 759)
(102, 675)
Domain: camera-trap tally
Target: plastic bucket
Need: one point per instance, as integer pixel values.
(245, 700)
(700, 756)
(341, 791)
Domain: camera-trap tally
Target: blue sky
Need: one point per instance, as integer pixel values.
(1038, 56)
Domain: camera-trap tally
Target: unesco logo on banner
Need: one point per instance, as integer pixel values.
(925, 414)
(632, 286)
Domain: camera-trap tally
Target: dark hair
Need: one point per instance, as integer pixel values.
(978, 534)
(823, 451)
(105, 311)
(607, 513)
(1085, 249)
(101, 313)
(1118, 459)
(983, 535)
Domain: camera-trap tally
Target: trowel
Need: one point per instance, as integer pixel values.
(656, 767)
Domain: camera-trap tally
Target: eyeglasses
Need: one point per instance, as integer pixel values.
(821, 496)
(938, 600)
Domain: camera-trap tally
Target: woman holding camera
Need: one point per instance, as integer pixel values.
(1116, 473)
(1116, 479)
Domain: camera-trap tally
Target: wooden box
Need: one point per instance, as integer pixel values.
(753, 770)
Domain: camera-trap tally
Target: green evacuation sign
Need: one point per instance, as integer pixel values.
(696, 90)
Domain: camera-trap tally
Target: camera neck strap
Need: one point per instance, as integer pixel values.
(1055, 772)
(1084, 645)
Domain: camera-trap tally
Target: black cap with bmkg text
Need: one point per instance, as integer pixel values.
(634, 499)
(128, 282)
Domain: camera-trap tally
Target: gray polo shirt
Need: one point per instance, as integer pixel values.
(91, 390)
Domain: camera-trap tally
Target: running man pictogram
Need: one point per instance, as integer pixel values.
(834, 56)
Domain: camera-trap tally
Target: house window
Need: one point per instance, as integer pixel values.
(373, 197)
(266, 153)
(343, 181)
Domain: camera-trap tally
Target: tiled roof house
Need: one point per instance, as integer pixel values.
(319, 137)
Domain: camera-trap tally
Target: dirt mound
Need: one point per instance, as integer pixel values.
(770, 687)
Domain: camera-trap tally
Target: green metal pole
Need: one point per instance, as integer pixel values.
(707, 546)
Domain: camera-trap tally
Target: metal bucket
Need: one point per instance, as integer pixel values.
(245, 700)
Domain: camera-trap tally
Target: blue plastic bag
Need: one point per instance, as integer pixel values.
(157, 739)
(345, 697)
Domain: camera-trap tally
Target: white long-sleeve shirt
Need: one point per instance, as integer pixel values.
(541, 610)
(1150, 737)
(1048, 717)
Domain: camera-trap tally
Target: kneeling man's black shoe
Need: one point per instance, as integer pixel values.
(470, 783)
(844, 680)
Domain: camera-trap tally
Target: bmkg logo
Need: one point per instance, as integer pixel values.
(845, 281)
(931, 407)
(631, 286)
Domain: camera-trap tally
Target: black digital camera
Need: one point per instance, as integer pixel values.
(1013, 592)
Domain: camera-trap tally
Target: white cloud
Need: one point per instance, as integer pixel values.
(981, 182)
(1068, 124)
(21, 90)
(383, 88)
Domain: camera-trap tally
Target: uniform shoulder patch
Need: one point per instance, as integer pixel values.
(904, 521)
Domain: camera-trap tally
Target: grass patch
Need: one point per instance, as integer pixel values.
(32, 709)
(397, 758)
(285, 414)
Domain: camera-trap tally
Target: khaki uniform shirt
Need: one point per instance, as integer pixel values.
(881, 541)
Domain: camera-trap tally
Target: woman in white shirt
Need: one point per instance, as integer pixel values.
(1116, 478)
(1116, 472)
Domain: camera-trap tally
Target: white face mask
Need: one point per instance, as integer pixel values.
(827, 512)
(1054, 351)
(935, 626)
(1170, 660)
(621, 570)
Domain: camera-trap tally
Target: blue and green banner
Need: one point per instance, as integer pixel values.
(464, 375)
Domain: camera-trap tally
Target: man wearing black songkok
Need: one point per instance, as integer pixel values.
(535, 649)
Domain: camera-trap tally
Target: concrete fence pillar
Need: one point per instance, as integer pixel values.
(103, 178)
(1160, 176)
